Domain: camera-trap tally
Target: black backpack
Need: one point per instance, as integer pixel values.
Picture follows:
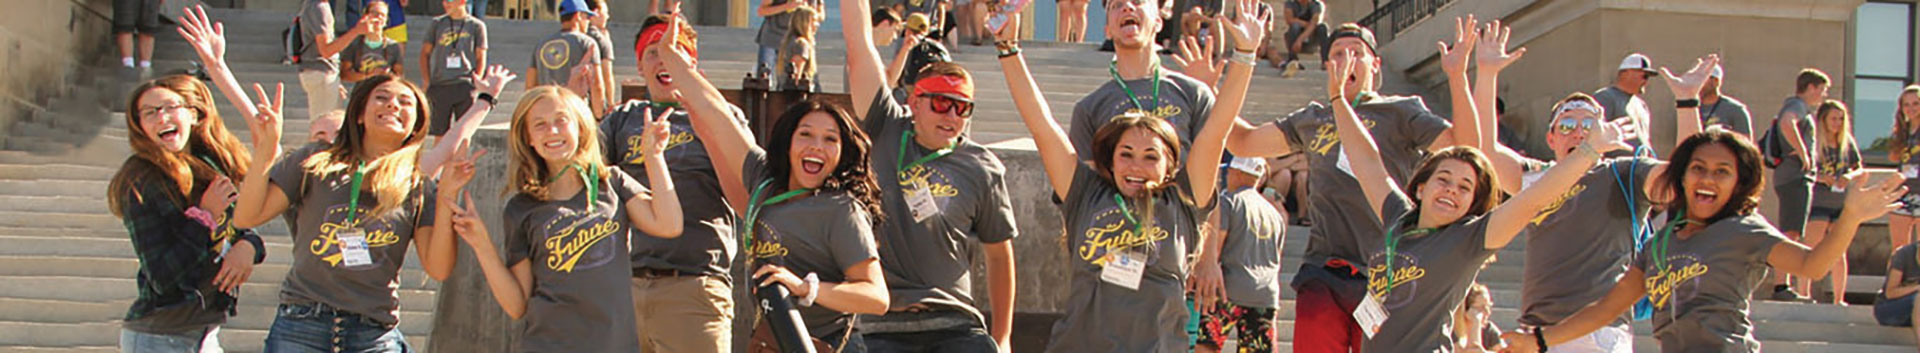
(292, 43)
(1772, 145)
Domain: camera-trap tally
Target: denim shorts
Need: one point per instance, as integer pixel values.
(207, 341)
(302, 328)
(1897, 312)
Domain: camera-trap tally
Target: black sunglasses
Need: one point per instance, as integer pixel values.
(944, 105)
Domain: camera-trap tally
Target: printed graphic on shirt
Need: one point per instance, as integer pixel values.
(1110, 232)
(1327, 137)
(578, 241)
(933, 180)
(1406, 279)
(1555, 206)
(371, 62)
(380, 234)
(223, 233)
(449, 37)
(677, 135)
(553, 54)
(1678, 282)
(766, 243)
(1164, 110)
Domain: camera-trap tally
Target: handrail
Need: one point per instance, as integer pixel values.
(1395, 16)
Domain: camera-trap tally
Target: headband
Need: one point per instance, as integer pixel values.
(1580, 104)
(656, 32)
(945, 85)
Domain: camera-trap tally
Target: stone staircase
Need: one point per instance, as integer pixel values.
(69, 268)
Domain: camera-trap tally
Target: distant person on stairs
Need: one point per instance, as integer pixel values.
(134, 23)
(374, 53)
(319, 61)
(569, 54)
(1236, 272)
(1894, 304)
(1839, 157)
(174, 196)
(455, 48)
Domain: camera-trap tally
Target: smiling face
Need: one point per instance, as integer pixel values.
(390, 113)
(1369, 65)
(934, 129)
(1132, 23)
(166, 118)
(376, 14)
(1832, 122)
(1563, 140)
(1711, 176)
(1910, 105)
(815, 150)
(551, 133)
(1141, 161)
(1446, 196)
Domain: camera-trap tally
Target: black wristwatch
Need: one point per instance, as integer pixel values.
(487, 97)
(1540, 338)
(1687, 103)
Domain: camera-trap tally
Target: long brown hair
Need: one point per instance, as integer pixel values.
(1485, 194)
(1902, 126)
(529, 173)
(1107, 139)
(1845, 135)
(208, 138)
(390, 177)
(851, 174)
(1746, 191)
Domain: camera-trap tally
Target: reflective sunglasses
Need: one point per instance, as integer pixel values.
(1567, 126)
(947, 105)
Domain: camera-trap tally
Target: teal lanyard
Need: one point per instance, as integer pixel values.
(1393, 249)
(901, 167)
(1139, 229)
(588, 179)
(662, 105)
(1114, 68)
(753, 209)
(353, 192)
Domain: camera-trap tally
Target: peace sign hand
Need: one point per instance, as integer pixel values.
(267, 124)
(658, 133)
(459, 171)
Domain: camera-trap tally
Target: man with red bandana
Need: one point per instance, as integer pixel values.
(682, 287)
(946, 199)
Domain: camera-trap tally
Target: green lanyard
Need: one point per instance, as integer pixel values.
(210, 163)
(1393, 249)
(1114, 68)
(353, 187)
(1665, 237)
(1138, 228)
(753, 209)
(899, 161)
(589, 179)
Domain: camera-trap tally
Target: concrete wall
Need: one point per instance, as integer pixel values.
(43, 46)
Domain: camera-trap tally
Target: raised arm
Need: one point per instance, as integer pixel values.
(329, 45)
(865, 76)
(1509, 218)
(209, 40)
(1248, 29)
(657, 213)
(491, 81)
(437, 250)
(1865, 200)
(1056, 155)
(1492, 57)
(1454, 60)
(1687, 87)
(259, 199)
(1363, 155)
(1597, 315)
(726, 140)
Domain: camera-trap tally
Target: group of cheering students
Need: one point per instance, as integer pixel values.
(620, 229)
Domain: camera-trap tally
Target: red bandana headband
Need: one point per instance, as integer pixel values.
(655, 33)
(944, 84)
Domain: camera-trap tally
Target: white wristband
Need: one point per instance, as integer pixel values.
(1244, 57)
(813, 289)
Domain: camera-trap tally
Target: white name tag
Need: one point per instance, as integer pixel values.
(920, 201)
(1838, 188)
(1124, 268)
(1344, 165)
(1370, 314)
(1910, 171)
(455, 62)
(353, 248)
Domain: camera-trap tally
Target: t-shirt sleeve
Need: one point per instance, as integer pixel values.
(609, 130)
(1903, 260)
(1085, 123)
(1395, 206)
(397, 55)
(479, 35)
(1763, 238)
(1422, 126)
(424, 216)
(625, 185)
(1740, 120)
(753, 168)
(884, 110)
(519, 242)
(994, 223)
(290, 176)
(1292, 132)
(853, 239)
(1641, 169)
(1079, 192)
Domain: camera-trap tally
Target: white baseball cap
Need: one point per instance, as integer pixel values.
(1255, 166)
(1638, 61)
(1718, 73)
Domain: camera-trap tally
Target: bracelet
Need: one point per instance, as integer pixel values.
(200, 215)
(1009, 51)
(487, 97)
(1336, 98)
(1540, 338)
(1687, 103)
(1244, 57)
(813, 289)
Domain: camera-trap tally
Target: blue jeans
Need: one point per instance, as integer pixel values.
(962, 340)
(853, 344)
(198, 341)
(477, 9)
(1896, 312)
(301, 328)
(769, 56)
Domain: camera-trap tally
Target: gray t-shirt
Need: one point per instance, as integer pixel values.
(578, 253)
(603, 42)
(707, 244)
(821, 234)
(1912, 162)
(1305, 12)
(317, 207)
(929, 261)
(1619, 103)
(1710, 276)
(360, 58)
(1104, 317)
(456, 47)
(1250, 257)
(1431, 273)
(1729, 113)
(316, 18)
(775, 29)
(1904, 261)
(1588, 230)
(1835, 161)
(560, 53)
(1183, 102)
(1790, 168)
(1403, 128)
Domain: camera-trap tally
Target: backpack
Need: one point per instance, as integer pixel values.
(1772, 145)
(292, 43)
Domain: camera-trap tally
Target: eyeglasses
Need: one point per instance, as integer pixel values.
(151, 112)
(1567, 126)
(947, 105)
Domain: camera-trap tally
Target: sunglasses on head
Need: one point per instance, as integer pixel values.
(947, 105)
(1567, 126)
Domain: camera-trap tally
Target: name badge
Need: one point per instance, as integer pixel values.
(1370, 314)
(1838, 188)
(1910, 171)
(920, 201)
(353, 248)
(1125, 268)
(1343, 164)
(455, 62)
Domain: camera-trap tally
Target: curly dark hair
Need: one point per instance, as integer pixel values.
(1746, 191)
(851, 175)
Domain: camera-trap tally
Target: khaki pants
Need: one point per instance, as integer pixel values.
(684, 314)
(323, 92)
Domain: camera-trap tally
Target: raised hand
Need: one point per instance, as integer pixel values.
(467, 224)
(1196, 60)
(455, 175)
(1466, 33)
(493, 79)
(1248, 28)
(657, 134)
(208, 38)
(267, 125)
(1491, 53)
(1339, 71)
(1868, 199)
(1608, 137)
(676, 59)
(1687, 86)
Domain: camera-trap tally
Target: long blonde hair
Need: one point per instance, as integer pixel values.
(390, 177)
(529, 173)
(1902, 126)
(207, 137)
(1844, 136)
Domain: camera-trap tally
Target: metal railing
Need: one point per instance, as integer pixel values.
(1388, 20)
